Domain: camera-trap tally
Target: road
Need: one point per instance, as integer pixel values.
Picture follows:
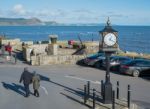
(64, 89)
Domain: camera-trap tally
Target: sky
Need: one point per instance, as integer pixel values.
(121, 12)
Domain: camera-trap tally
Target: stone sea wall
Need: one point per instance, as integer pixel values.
(59, 59)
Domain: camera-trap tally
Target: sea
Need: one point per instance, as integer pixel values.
(130, 38)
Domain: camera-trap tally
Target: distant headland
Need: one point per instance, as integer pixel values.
(20, 22)
(38, 22)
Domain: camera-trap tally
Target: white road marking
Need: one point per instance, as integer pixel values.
(46, 92)
(82, 79)
(133, 106)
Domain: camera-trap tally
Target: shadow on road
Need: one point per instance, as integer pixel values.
(146, 77)
(44, 78)
(144, 104)
(71, 98)
(79, 93)
(81, 63)
(14, 87)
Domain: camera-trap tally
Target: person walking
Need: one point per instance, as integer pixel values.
(36, 83)
(26, 77)
(15, 56)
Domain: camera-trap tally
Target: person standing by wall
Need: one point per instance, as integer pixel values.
(36, 83)
(9, 49)
(26, 77)
(3, 50)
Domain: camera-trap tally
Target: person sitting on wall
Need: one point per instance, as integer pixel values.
(46, 49)
(32, 52)
(23, 44)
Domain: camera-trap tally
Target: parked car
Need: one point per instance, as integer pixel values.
(115, 62)
(136, 67)
(92, 60)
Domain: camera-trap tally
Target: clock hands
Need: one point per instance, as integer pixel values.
(110, 39)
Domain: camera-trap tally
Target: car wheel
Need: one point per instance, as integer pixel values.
(136, 73)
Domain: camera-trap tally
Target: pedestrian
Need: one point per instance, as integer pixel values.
(36, 83)
(9, 48)
(3, 50)
(26, 77)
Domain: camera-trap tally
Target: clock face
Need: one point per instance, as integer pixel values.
(110, 39)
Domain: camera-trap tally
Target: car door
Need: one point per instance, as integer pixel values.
(146, 65)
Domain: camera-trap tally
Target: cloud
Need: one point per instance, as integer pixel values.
(48, 15)
(76, 16)
(113, 15)
(19, 9)
(1, 12)
(85, 11)
(80, 16)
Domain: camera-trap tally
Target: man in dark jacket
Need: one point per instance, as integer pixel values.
(26, 77)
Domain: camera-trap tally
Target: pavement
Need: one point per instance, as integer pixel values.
(65, 88)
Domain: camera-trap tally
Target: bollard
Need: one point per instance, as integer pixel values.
(102, 88)
(85, 95)
(88, 88)
(113, 99)
(15, 58)
(129, 96)
(117, 89)
(94, 98)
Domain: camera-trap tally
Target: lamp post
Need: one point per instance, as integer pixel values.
(108, 45)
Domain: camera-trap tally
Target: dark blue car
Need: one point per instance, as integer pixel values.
(93, 59)
(136, 67)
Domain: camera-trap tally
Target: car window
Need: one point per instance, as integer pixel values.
(146, 63)
(123, 59)
(131, 63)
(141, 63)
(113, 59)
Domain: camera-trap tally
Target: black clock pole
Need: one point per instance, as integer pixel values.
(108, 67)
(108, 49)
(107, 97)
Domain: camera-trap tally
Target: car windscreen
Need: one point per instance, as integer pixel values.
(96, 56)
(129, 62)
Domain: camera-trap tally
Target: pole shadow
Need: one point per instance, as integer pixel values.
(44, 78)
(71, 90)
(76, 92)
(71, 98)
(98, 95)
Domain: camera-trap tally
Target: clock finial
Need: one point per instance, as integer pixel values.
(108, 22)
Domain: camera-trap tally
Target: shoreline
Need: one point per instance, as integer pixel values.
(64, 44)
(129, 37)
